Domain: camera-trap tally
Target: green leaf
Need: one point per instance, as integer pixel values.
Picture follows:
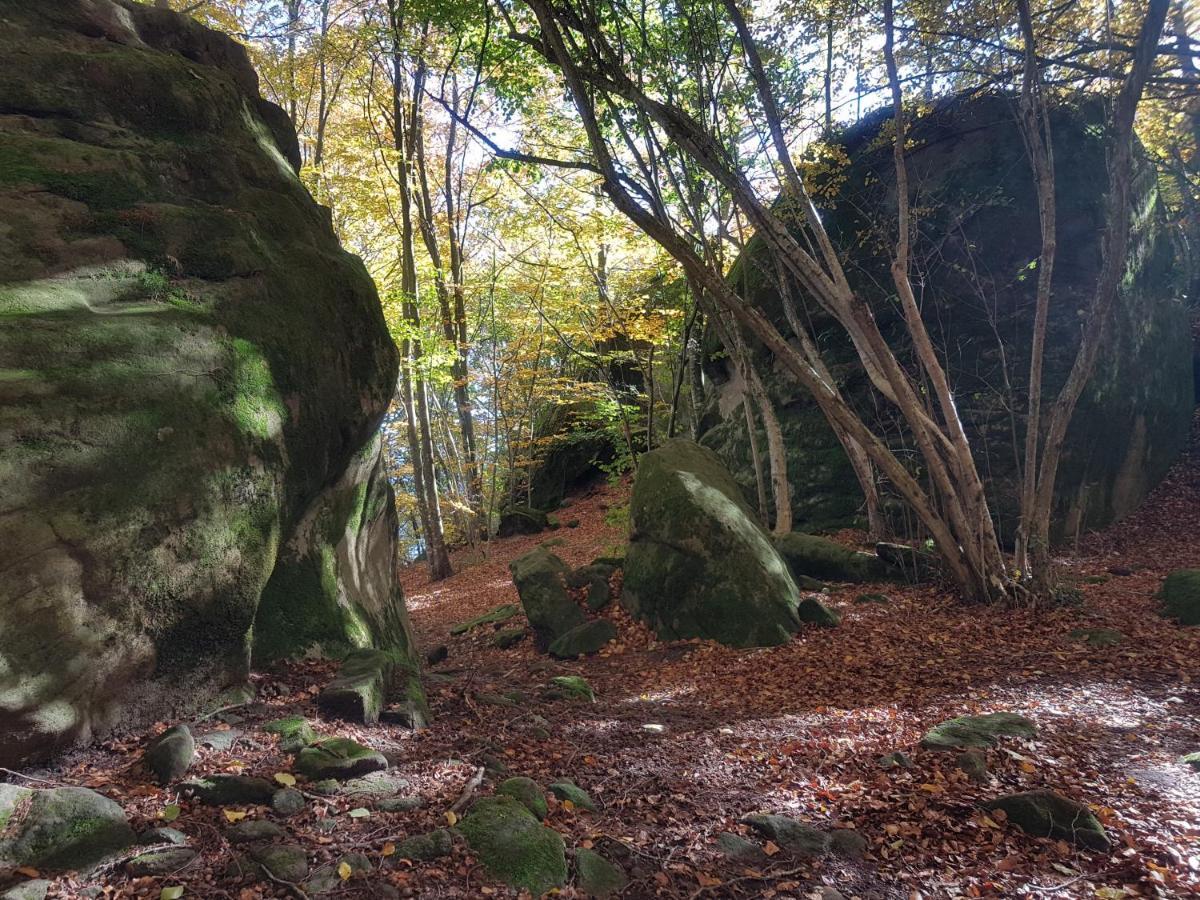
(359, 813)
(174, 892)
(170, 814)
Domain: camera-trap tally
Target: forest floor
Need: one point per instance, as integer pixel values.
(686, 738)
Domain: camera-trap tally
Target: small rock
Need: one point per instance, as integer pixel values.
(287, 802)
(508, 637)
(1192, 759)
(514, 846)
(328, 879)
(339, 758)
(811, 609)
(791, 835)
(1180, 596)
(252, 830)
(27, 890)
(423, 847)
(491, 617)
(160, 862)
(1120, 571)
(974, 764)
(597, 876)
(847, 843)
(226, 790)
(171, 754)
(287, 862)
(294, 733)
(565, 789)
(1098, 637)
(872, 598)
(570, 687)
(968, 732)
(220, 740)
(407, 714)
(896, 760)
(65, 828)
(437, 655)
(1044, 813)
(326, 787)
(735, 847)
(528, 791)
(590, 637)
(493, 764)
(379, 784)
(398, 804)
(162, 835)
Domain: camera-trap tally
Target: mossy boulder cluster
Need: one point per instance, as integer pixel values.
(978, 240)
(699, 563)
(191, 374)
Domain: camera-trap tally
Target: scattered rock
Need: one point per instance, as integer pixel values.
(974, 764)
(811, 609)
(967, 732)
(514, 846)
(873, 598)
(398, 804)
(35, 889)
(220, 739)
(294, 733)
(790, 834)
(818, 557)
(528, 791)
(287, 802)
(287, 862)
(847, 843)
(896, 760)
(540, 577)
(171, 754)
(1044, 813)
(590, 637)
(329, 879)
(422, 847)
(597, 876)
(339, 758)
(491, 617)
(1098, 637)
(162, 835)
(380, 784)
(326, 787)
(595, 578)
(508, 637)
(60, 829)
(565, 789)
(570, 687)
(437, 655)
(226, 790)
(1120, 571)
(160, 862)
(358, 692)
(735, 847)
(521, 520)
(250, 831)
(1180, 596)
(493, 764)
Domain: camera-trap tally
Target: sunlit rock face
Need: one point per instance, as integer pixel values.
(191, 375)
(974, 269)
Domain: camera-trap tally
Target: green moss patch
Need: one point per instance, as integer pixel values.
(514, 846)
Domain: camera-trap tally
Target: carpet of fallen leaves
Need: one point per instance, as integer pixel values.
(686, 738)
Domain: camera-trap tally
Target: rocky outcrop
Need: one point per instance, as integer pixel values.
(699, 564)
(191, 373)
(976, 245)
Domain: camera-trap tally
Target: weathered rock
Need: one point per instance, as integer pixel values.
(818, 557)
(594, 577)
(251, 831)
(162, 835)
(590, 637)
(1180, 596)
(967, 732)
(358, 692)
(540, 577)
(847, 843)
(880, 599)
(1044, 813)
(570, 687)
(492, 617)
(160, 862)
(294, 733)
(980, 220)
(34, 889)
(224, 790)
(573, 443)
(528, 791)
(287, 862)
(514, 846)
(398, 804)
(437, 655)
(339, 758)
(735, 847)
(1098, 637)
(376, 784)
(566, 790)
(328, 879)
(521, 520)
(508, 637)
(171, 754)
(812, 610)
(896, 760)
(790, 834)
(188, 450)
(60, 829)
(974, 764)
(421, 847)
(699, 563)
(287, 802)
(598, 877)
(220, 739)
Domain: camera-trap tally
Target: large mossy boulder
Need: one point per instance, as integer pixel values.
(971, 732)
(514, 846)
(573, 444)
(191, 373)
(521, 519)
(1180, 596)
(978, 238)
(540, 577)
(699, 563)
(1044, 813)
(60, 829)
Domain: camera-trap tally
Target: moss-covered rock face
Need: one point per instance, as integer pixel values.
(61, 829)
(976, 246)
(191, 370)
(514, 846)
(699, 564)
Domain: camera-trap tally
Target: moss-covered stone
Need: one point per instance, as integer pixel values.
(540, 577)
(812, 610)
(974, 764)
(1180, 596)
(521, 520)
(968, 732)
(162, 835)
(422, 847)
(339, 758)
(1045, 813)
(160, 862)
(224, 790)
(566, 790)
(287, 802)
(508, 637)
(699, 563)
(171, 754)
(34, 889)
(739, 849)
(251, 831)
(61, 829)
(358, 692)
(1191, 759)
(878, 599)
(294, 733)
(514, 846)
(528, 791)
(597, 876)
(328, 879)
(570, 687)
(492, 617)
(847, 843)
(1097, 637)
(287, 862)
(790, 834)
(817, 557)
(590, 637)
